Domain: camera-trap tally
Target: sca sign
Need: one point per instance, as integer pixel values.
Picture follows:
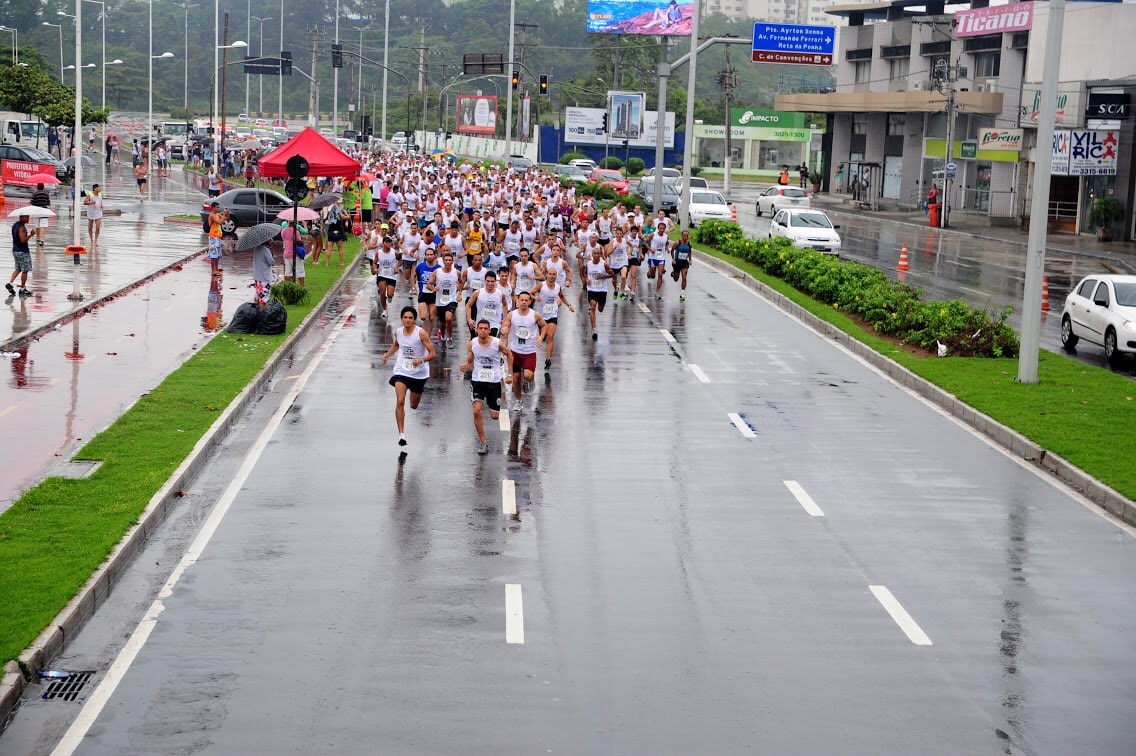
(1000, 139)
(1108, 105)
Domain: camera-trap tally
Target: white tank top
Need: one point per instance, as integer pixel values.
(523, 332)
(454, 244)
(490, 307)
(475, 279)
(410, 244)
(447, 284)
(548, 301)
(595, 270)
(618, 257)
(410, 347)
(512, 243)
(659, 246)
(561, 269)
(386, 262)
(525, 277)
(487, 361)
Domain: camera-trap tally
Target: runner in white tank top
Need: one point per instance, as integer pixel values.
(597, 273)
(525, 330)
(484, 358)
(414, 350)
(549, 297)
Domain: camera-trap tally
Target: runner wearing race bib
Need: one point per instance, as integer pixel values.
(414, 350)
(486, 304)
(446, 285)
(618, 260)
(427, 307)
(475, 275)
(681, 254)
(597, 273)
(547, 299)
(511, 242)
(385, 267)
(525, 330)
(657, 245)
(484, 358)
(526, 274)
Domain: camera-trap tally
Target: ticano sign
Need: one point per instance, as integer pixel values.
(1000, 139)
(1001, 18)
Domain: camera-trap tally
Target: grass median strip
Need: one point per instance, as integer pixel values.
(1083, 413)
(58, 532)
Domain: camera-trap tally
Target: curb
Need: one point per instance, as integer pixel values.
(95, 591)
(84, 308)
(1094, 490)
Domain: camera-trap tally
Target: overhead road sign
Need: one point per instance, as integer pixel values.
(793, 43)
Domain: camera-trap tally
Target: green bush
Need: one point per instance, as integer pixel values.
(596, 189)
(694, 169)
(567, 157)
(635, 166)
(611, 161)
(289, 293)
(890, 307)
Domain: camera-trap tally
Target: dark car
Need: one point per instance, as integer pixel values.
(247, 207)
(670, 197)
(33, 155)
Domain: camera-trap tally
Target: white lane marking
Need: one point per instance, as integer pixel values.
(98, 700)
(644, 308)
(741, 425)
(701, 376)
(805, 500)
(1050, 480)
(7, 410)
(514, 614)
(509, 497)
(667, 335)
(914, 633)
(503, 420)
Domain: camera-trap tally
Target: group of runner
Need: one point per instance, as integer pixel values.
(496, 251)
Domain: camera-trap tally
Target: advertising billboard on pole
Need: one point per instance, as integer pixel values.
(585, 126)
(658, 18)
(626, 110)
(477, 114)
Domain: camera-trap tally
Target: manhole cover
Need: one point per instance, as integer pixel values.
(67, 688)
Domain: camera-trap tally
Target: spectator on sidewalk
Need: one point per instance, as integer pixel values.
(22, 254)
(214, 182)
(40, 198)
(293, 258)
(94, 203)
(803, 171)
(783, 179)
(216, 218)
(262, 273)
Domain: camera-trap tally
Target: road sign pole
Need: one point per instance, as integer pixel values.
(688, 148)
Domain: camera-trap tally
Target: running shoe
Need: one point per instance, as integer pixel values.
(682, 297)
(25, 293)
(383, 314)
(483, 448)
(595, 336)
(547, 363)
(11, 289)
(402, 439)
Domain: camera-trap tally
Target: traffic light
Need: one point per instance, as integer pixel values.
(544, 84)
(516, 79)
(285, 63)
(604, 129)
(337, 56)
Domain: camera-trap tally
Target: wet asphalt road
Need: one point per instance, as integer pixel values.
(981, 271)
(688, 584)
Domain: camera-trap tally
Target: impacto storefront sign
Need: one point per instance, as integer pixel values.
(1001, 18)
(756, 117)
(1000, 139)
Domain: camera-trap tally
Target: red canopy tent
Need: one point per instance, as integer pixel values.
(324, 158)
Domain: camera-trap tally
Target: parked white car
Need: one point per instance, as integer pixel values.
(779, 197)
(806, 228)
(587, 165)
(1102, 310)
(707, 204)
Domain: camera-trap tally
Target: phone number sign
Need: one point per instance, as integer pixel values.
(801, 44)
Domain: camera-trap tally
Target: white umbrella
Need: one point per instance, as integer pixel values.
(31, 211)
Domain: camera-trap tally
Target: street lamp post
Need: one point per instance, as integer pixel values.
(386, 62)
(359, 89)
(335, 83)
(280, 79)
(150, 101)
(15, 44)
(185, 84)
(260, 54)
(217, 135)
(60, 28)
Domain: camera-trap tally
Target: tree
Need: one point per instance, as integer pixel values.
(57, 108)
(22, 87)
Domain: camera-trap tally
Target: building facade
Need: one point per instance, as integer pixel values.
(926, 97)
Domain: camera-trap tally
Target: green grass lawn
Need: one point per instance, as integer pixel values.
(58, 532)
(1083, 413)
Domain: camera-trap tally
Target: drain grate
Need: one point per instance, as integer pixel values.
(68, 688)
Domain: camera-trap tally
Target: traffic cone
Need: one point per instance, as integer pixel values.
(1045, 293)
(734, 213)
(903, 263)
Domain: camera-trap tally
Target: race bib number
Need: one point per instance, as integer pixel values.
(386, 268)
(447, 294)
(476, 283)
(523, 334)
(549, 309)
(483, 375)
(407, 364)
(619, 260)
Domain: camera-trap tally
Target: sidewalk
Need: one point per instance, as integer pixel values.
(133, 246)
(978, 226)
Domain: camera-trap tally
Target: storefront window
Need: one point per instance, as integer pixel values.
(774, 155)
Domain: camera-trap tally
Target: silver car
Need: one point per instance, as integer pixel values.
(1102, 310)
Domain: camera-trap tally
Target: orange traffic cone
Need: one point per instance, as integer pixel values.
(734, 213)
(903, 264)
(1045, 293)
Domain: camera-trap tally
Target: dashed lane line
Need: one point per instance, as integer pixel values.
(910, 628)
(701, 376)
(741, 425)
(805, 500)
(514, 614)
(509, 497)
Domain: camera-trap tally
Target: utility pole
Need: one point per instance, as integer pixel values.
(313, 86)
(728, 81)
(524, 26)
(508, 91)
(947, 76)
(422, 50)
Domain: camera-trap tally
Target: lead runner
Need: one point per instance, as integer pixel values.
(411, 370)
(485, 353)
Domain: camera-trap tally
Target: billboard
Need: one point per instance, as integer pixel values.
(16, 172)
(1085, 153)
(477, 114)
(658, 18)
(975, 22)
(585, 126)
(1000, 139)
(626, 109)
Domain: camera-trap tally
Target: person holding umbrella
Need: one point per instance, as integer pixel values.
(22, 254)
(256, 239)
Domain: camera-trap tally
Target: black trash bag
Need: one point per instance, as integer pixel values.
(246, 319)
(273, 319)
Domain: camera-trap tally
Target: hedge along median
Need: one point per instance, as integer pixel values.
(60, 531)
(1079, 412)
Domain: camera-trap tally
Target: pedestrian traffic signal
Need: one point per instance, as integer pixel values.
(337, 56)
(604, 129)
(516, 80)
(544, 84)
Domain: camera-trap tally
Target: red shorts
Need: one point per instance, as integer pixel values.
(524, 362)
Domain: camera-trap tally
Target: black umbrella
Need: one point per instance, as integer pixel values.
(261, 233)
(324, 200)
(86, 161)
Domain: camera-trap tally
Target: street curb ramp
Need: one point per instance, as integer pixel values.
(19, 673)
(1100, 494)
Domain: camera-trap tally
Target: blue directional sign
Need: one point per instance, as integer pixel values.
(801, 44)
